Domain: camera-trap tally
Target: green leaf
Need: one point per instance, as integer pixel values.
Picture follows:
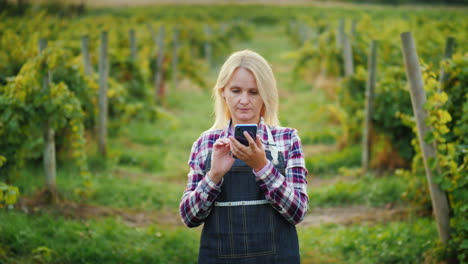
(464, 244)
(432, 161)
(429, 137)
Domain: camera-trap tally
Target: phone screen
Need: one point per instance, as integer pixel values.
(239, 132)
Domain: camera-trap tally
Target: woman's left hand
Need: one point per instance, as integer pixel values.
(253, 155)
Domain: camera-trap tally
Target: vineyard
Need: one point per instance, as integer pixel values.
(99, 109)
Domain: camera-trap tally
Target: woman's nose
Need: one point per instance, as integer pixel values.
(244, 98)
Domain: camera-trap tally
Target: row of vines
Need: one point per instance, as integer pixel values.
(394, 141)
(70, 104)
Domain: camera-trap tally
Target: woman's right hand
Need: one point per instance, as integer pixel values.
(221, 160)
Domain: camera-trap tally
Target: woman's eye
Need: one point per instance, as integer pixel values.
(253, 92)
(235, 90)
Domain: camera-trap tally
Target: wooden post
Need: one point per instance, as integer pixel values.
(208, 47)
(370, 86)
(315, 36)
(133, 45)
(49, 139)
(340, 34)
(158, 81)
(348, 56)
(291, 25)
(353, 28)
(175, 57)
(418, 99)
(449, 49)
(303, 33)
(103, 74)
(86, 58)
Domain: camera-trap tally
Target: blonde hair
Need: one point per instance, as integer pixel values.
(266, 85)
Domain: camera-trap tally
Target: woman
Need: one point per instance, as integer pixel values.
(249, 197)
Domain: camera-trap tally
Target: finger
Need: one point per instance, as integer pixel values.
(218, 143)
(259, 142)
(249, 139)
(235, 152)
(237, 148)
(234, 142)
(224, 140)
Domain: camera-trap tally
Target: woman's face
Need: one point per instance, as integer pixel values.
(242, 98)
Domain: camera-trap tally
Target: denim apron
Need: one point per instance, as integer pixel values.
(242, 226)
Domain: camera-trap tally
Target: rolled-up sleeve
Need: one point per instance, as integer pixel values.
(201, 192)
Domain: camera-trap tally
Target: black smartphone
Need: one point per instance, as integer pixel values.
(239, 132)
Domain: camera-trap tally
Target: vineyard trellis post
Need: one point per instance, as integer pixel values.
(323, 63)
(348, 56)
(159, 80)
(370, 87)
(339, 34)
(103, 109)
(316, 37)
(449, 49)
(303, 33)
(133, 45)
(86, 57)
(49, 136)
(353, 28)
(175, 58)
(418, 99)
(208, 46)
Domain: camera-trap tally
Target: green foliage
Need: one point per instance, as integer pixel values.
(392, 99)
(447, 123)
(42, 254)
(331, 162)
(452, 146)
(42, 237)
(71, 107)
(317, 58)
(26, 106)
(351, 97)
(319, 49)
(395, 242)
(368, 190)
(8, 195)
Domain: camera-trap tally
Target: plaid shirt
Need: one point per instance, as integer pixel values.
(287, 194)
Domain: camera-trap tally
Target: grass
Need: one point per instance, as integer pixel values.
(93, 241)
(368, 190)
(395, 242)
(111, 241)
(109, 188)
(333, 161)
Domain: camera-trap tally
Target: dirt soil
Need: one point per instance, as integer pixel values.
(353, 214)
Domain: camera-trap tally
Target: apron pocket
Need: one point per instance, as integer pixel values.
(245, 231)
